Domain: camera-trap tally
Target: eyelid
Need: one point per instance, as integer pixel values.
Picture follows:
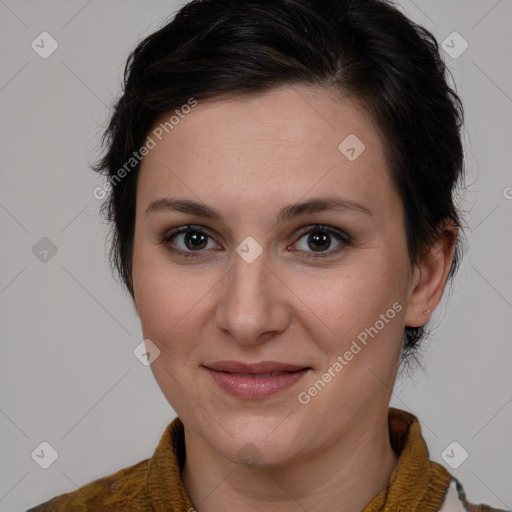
(343, 238)
(329, 229)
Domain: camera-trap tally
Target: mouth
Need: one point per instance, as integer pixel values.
(257, 380)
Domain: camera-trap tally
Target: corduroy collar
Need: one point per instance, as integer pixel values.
(416, 484)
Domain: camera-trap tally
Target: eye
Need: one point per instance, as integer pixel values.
(189, 240)
(320, 238)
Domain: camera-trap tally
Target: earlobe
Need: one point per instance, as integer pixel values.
(418, 303)
(429, 279)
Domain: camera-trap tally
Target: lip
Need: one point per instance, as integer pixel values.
(249, 380)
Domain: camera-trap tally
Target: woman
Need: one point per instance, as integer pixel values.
(280, 181)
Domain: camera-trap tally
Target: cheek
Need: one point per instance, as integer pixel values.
(362, 318)
(168, 308)
(166, 305)
(162, 297)
(172, 302)
(349, 302)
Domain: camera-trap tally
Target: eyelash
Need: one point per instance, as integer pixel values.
(344, 239)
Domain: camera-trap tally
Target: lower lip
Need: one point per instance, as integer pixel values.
(255, 387)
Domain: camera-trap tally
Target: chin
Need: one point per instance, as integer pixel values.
(254, 453)
(257, 441)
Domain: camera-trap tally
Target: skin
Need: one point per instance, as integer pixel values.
(249, 157)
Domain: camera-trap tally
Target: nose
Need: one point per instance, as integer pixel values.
(253, 306)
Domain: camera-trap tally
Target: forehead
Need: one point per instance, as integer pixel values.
(293, 140)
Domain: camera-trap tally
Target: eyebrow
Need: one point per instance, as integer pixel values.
(288, 212)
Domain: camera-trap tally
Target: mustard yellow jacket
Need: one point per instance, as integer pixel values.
(154, 485)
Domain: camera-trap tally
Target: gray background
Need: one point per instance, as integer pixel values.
(68, 330)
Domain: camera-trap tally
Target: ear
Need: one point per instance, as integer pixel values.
(429, 277)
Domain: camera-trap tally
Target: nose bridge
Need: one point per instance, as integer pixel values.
(249, 304)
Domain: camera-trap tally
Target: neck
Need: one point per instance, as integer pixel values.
(344, 476)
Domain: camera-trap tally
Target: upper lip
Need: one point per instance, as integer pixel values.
(261, 367)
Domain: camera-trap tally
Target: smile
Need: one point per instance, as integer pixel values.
(253, 381)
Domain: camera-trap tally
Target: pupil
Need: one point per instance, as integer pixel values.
(197, 238)
(319, 238)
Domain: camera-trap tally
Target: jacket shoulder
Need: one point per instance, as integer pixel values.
(123, 490)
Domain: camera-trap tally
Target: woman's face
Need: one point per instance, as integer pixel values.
(260, 283)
